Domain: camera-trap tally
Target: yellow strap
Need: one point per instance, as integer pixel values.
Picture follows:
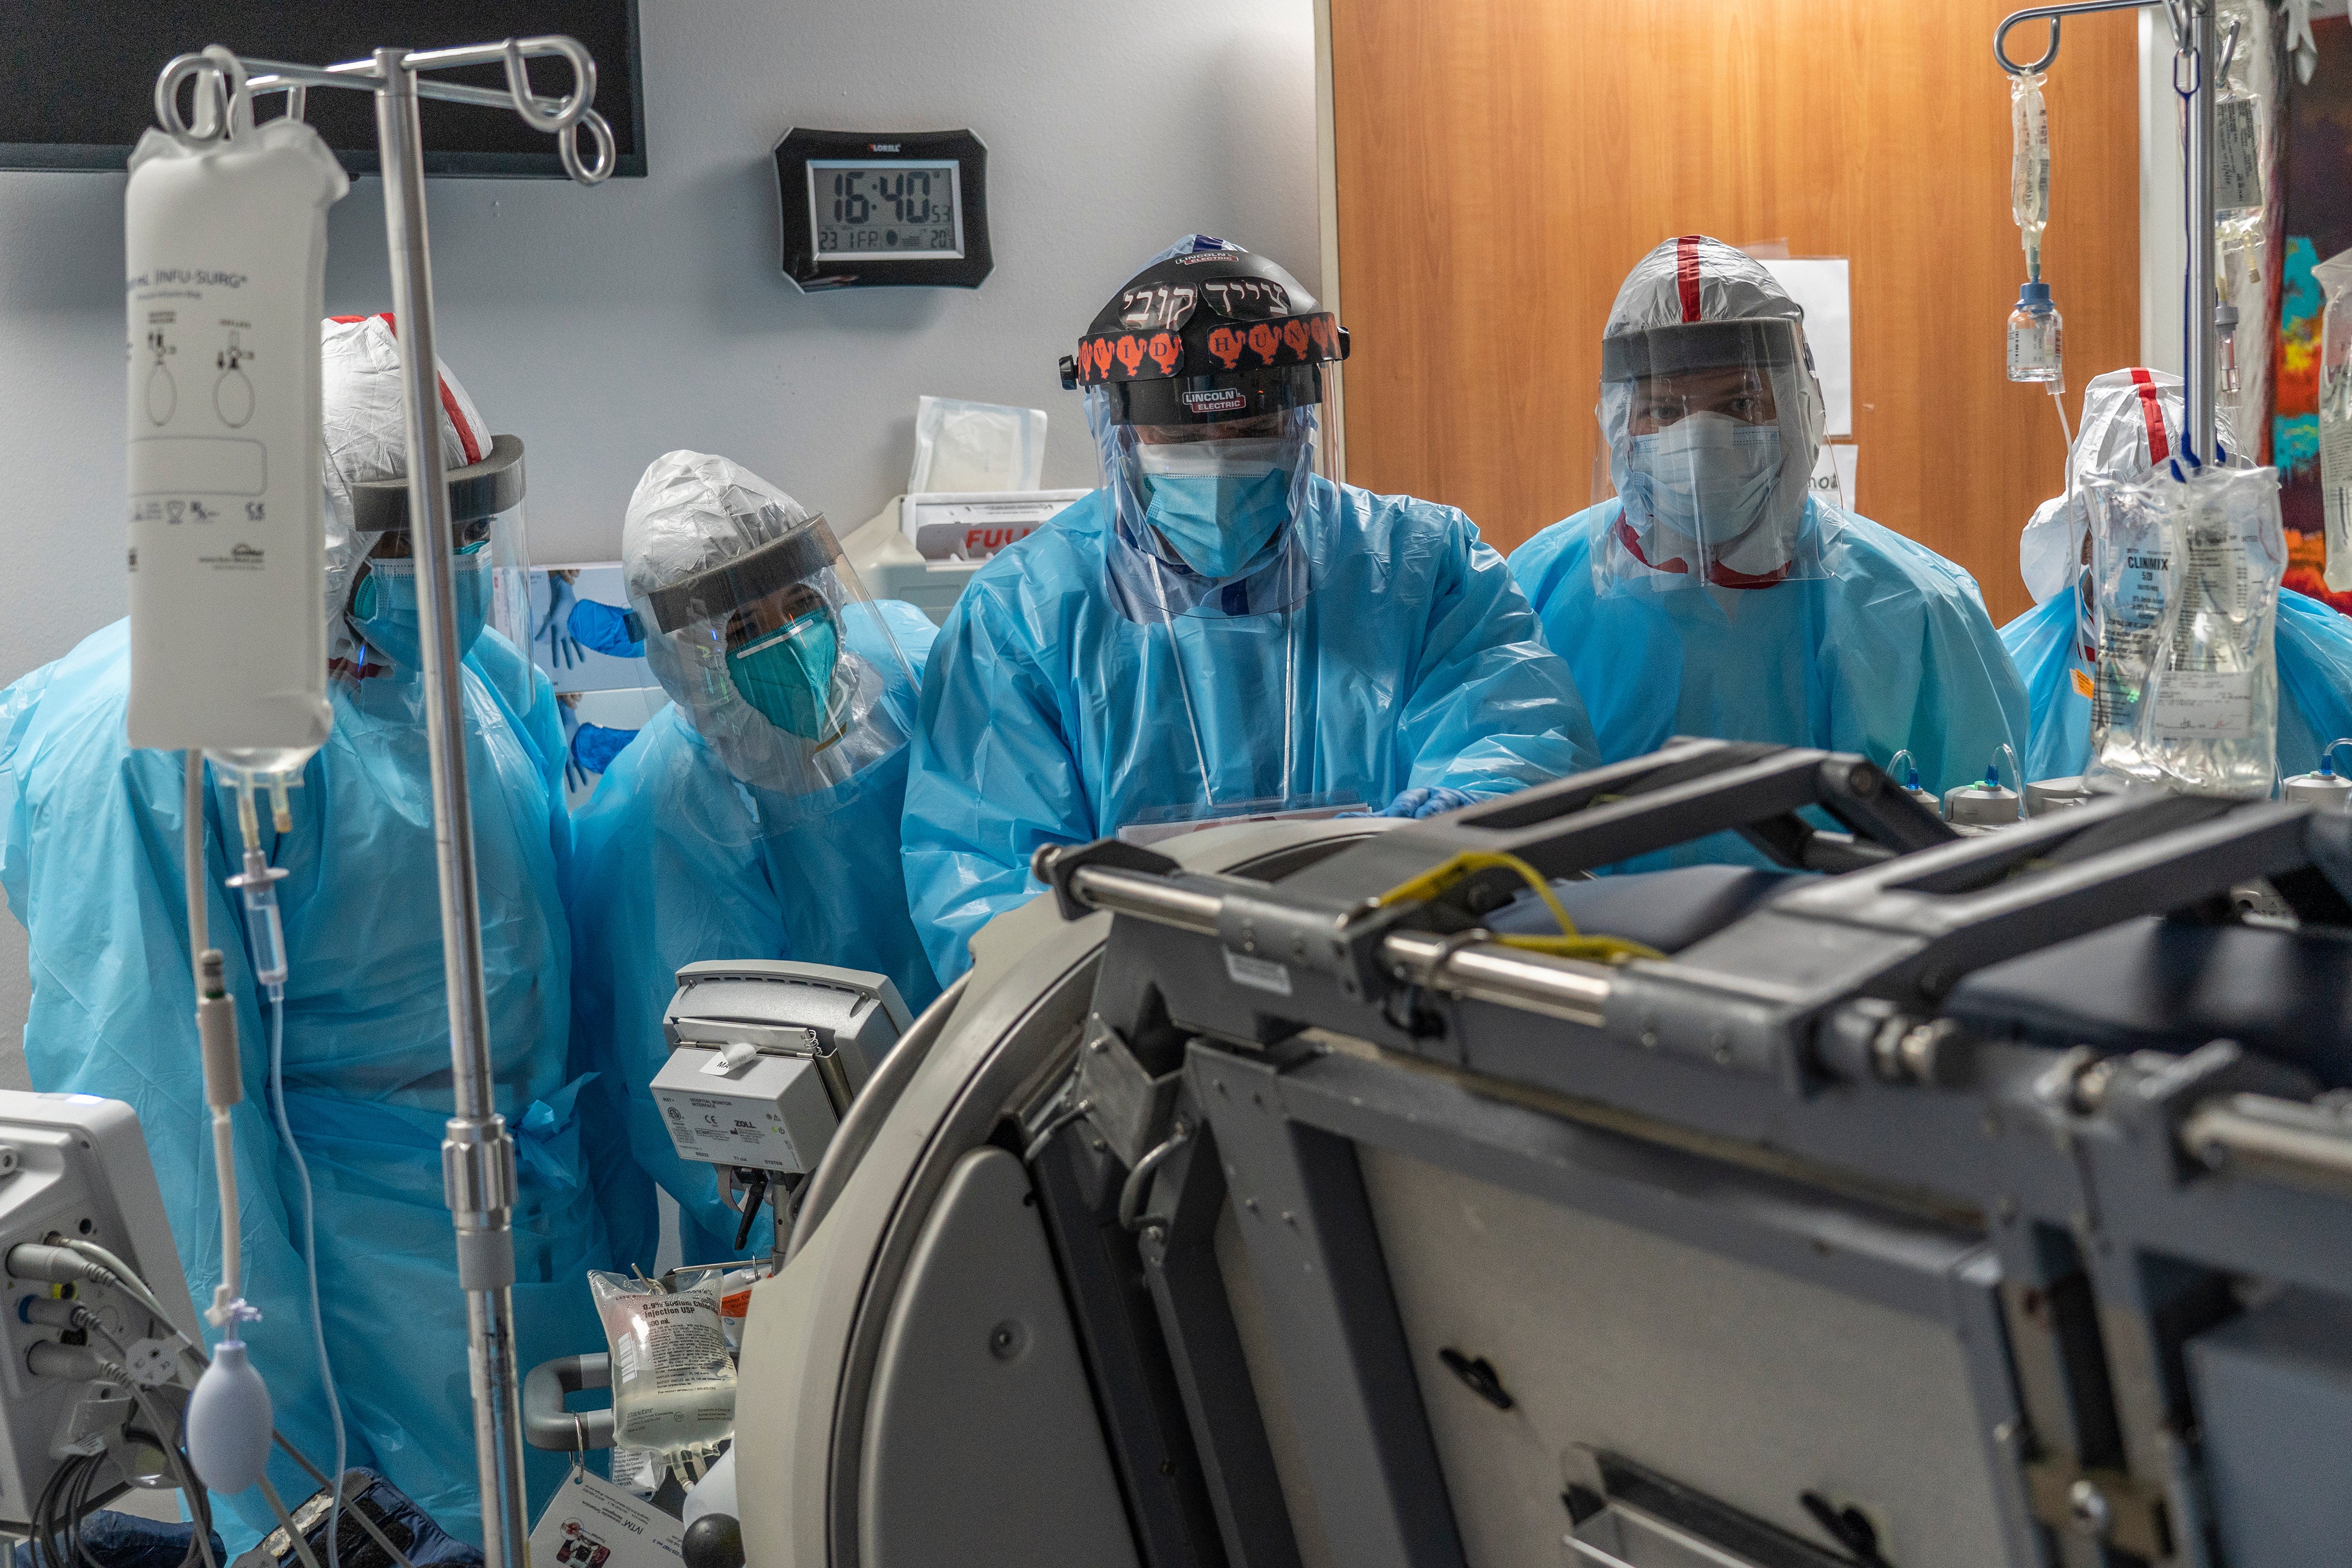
(1569, 943)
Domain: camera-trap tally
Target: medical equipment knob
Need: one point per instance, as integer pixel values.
(714, 1540)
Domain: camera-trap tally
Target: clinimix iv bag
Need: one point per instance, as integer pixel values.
(2209, 721)
(225, 246)
(2132, 552)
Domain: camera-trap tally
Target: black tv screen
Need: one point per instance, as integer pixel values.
(77, 76)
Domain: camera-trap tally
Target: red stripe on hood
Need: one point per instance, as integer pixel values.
(2152, 412)
(1687, 274)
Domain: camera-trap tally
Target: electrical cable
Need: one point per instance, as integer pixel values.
(310, 1259)
(171, 1435)
(118, 1275)
(123, 1277)
(1570, 944)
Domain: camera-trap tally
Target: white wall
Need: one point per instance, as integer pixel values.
(607, 326)
(2163, 240)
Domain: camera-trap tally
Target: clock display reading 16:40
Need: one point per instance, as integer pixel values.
(895, 209)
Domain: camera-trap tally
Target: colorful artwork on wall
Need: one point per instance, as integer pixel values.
(2319, 225)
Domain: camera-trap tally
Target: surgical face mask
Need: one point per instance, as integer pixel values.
(1217, 503)
(1708, 476)
(787, 674)
(386, 613)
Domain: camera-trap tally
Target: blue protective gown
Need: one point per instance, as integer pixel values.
(2315, 678)
(1051, 718)
(1892, 651)
(92, 863)
(675, 862)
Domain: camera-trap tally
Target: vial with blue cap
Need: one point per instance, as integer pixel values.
(1905, 770)
(2036, 338)
(1989, 802)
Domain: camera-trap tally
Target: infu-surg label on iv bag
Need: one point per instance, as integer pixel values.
(225, 248)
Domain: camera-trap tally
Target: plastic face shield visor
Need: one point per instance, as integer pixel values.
(1150, 577)
(780, 662)
(486, 532)
(773, 625)
(1710, 428)
(749, 592)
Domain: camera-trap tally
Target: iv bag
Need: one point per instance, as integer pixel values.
(2131, 569)
(226, 246)
(673, 1385)
(2209, 721)
(2029, 166)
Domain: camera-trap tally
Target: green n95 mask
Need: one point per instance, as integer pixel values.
(787, 674)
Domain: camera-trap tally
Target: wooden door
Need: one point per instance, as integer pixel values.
(1501, 164)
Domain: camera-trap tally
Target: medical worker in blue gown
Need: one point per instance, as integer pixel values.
(92, 867)
(1717, 595)
(757, 816)
(1217, 631)
(2131, 423)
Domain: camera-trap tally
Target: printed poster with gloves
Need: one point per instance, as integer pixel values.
(586, 638)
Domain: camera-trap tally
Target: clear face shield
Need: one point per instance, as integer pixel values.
(1204, 549)
(1203, 506)
(772, 648)
(383, 624)
(1711, 429)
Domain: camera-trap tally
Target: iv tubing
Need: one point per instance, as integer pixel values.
(310, 1258)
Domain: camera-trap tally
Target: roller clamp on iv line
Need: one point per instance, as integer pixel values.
(478, 1156)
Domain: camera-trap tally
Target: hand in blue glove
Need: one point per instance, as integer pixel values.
(593, 746)
(1417, 804)
(554, 627)
(605, 629)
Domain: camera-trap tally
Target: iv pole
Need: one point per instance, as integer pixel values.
(2193, 41)
(477, 1158)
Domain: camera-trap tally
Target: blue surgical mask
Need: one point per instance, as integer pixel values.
(787, 675)
(1708, 477)
(1217, 503)
(387, 616)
